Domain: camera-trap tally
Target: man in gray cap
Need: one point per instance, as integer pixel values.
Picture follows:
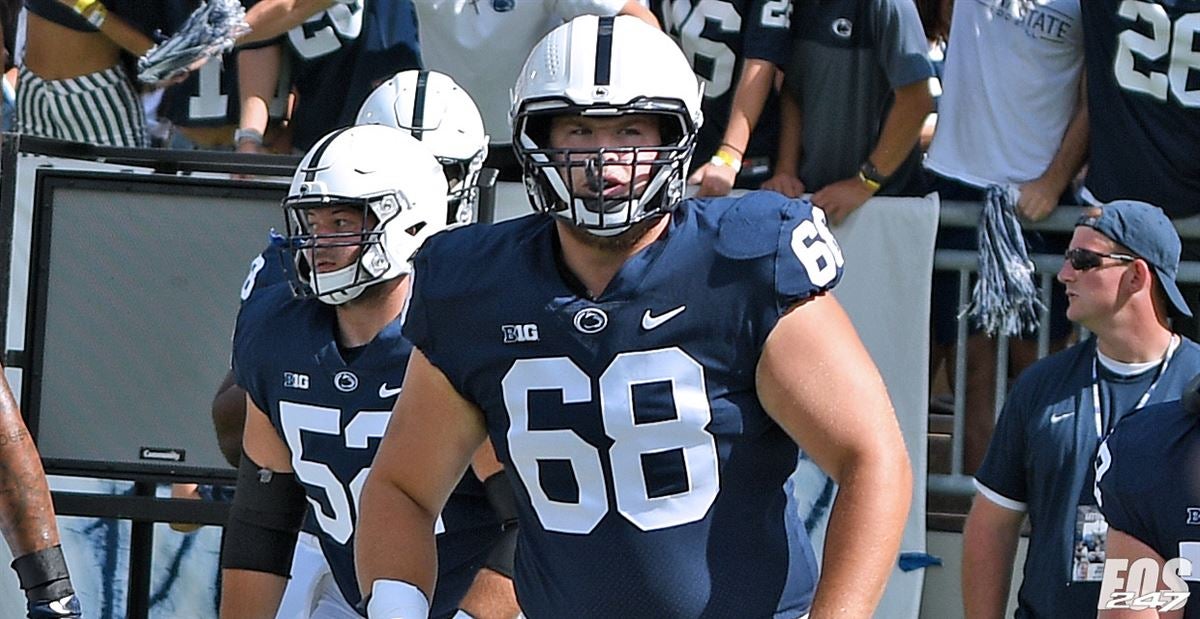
(1119, 272)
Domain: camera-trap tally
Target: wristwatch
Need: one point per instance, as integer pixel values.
(870, 176)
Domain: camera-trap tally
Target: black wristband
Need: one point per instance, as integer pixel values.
(872, 174)
(500, 496)
(502, 557)
(43, 574)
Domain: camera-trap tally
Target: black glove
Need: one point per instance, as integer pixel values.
(52, 609)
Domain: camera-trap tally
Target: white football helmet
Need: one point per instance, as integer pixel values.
(437, 111)
(605, 66)
(398, 186)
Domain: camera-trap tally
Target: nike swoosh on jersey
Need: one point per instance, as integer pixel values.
(1060, 416)
(653, 322)
(386, 393)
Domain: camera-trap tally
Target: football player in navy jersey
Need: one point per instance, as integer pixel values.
(322, 369)
(645, 366)
(1148, 487)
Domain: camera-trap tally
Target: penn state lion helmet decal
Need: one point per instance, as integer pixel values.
(385, 176)
(435, 110)
(605, 66)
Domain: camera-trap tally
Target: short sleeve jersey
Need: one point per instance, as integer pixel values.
(1143, 80)
(331, 411)
(649, 479)
(1041, 457)
(1148, 480)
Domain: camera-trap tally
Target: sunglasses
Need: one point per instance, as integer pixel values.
(1084, 259)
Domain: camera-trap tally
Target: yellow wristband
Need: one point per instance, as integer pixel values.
(873, 185)
(82, 6)
(723, 158)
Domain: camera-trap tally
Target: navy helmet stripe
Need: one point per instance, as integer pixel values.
(418, 117)
(604, 44)
(310, 173)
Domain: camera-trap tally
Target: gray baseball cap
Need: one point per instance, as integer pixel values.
(1145, 230)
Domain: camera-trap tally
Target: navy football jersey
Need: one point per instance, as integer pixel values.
(1143, 82)
(331, 413)
(649, 480)
(268, 268)
(716, 36)
(340, 54)
(1148, 484)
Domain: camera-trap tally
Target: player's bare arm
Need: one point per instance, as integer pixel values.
(26, 513)
(248, 593)
(433, 424)
(27, 517)
(229, 416)
(835, 406)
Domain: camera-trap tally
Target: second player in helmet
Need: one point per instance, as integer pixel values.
(321, 372)
(435, 110)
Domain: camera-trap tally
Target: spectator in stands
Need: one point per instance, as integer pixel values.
(1146, 110)
(1148, 487)
(935, 18)
(860, 73)
(482, 44)
(202, 111)
(27, 518)
(73, 83)
(1120, 278)
(735, 47)
(336, 55)
(1012, 112)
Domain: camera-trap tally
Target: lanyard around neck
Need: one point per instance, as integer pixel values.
(1162, 368)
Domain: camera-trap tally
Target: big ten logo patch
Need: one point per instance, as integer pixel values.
(519, 333)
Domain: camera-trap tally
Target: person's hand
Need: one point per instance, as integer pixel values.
(714, 180)
(1038, 199)
(789, 185)
(840, 199)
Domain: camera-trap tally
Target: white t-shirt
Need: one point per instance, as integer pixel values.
(1009, 89)
(483, 44)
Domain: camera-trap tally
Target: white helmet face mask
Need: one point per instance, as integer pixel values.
(386, 177)
(605, 67)
(435, 110)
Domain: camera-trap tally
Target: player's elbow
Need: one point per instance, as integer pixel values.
(880, 461)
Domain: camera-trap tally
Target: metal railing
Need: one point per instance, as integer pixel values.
(964, 263)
